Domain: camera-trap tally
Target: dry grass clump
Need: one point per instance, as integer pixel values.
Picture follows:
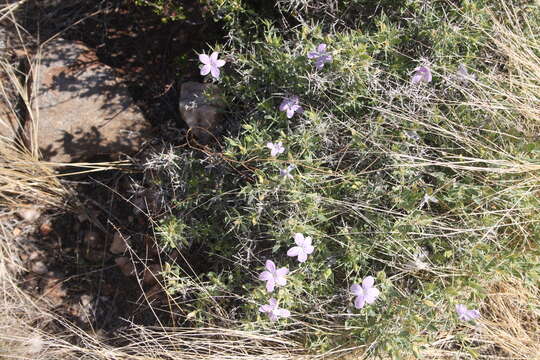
(508, 329)
(512, 319)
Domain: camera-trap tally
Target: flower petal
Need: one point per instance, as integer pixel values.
(371, 295)
(368, 282)
(215, 71)
(359, 302)
(265, 275)
(214, 56)
(309, 249)
(416, 78)
(312, 55)
(266, 308)
(281, 281)
(290, 113)
(321, 47)
(284, 313)
(272, 302)
(282, 271)
(205, 70)
(473, 314)
(302, 256)
(294, 251)
(461, 309)
(220, 63)
(357, 290)
(273, 317)
(299, 239)
(270, 266)
(205, 59)
(270, 285)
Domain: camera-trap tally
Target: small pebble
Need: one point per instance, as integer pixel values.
(29, 214)
(46, 228)
(39, 268)
(126, 265)
(151, 274)
(119, 244)
(92, 239)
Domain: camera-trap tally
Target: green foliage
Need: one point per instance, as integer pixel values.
(169, 10)
(393, 180)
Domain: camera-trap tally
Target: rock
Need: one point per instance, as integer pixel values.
(29, 214)
(9, 123)
(155, 294)
(119, 244)
(151, 245)
(84, 110)
(151, 274)
(96, 255)
(126, 265)
(201, 109)
(92, 239)
(39, 268)
(46, 228)
(9, 120)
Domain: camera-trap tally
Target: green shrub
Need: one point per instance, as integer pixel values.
(422, 186)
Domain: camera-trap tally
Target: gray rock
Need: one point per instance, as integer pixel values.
(9, 124)
(201, 109)
(81, 109)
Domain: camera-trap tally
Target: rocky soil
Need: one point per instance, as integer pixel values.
(107, 77)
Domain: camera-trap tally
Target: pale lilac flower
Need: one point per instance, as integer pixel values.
(273, 310)
(275, 149)
(290, 106)
(286, 173)
(321, 56)
(466, 315)
(365, 293)
(303, 248)
(463, 74)
(211, 64)
(421, 74)
(273, 276)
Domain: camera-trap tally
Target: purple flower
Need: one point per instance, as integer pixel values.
(463, 74)
(286, 173)
(421, 74)
(211, 64)
(290, 106)
(303, 249)
(321, 56)
(466, 315)
(273, 276)
(273, 311)
(275, 149)
(365, 293)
